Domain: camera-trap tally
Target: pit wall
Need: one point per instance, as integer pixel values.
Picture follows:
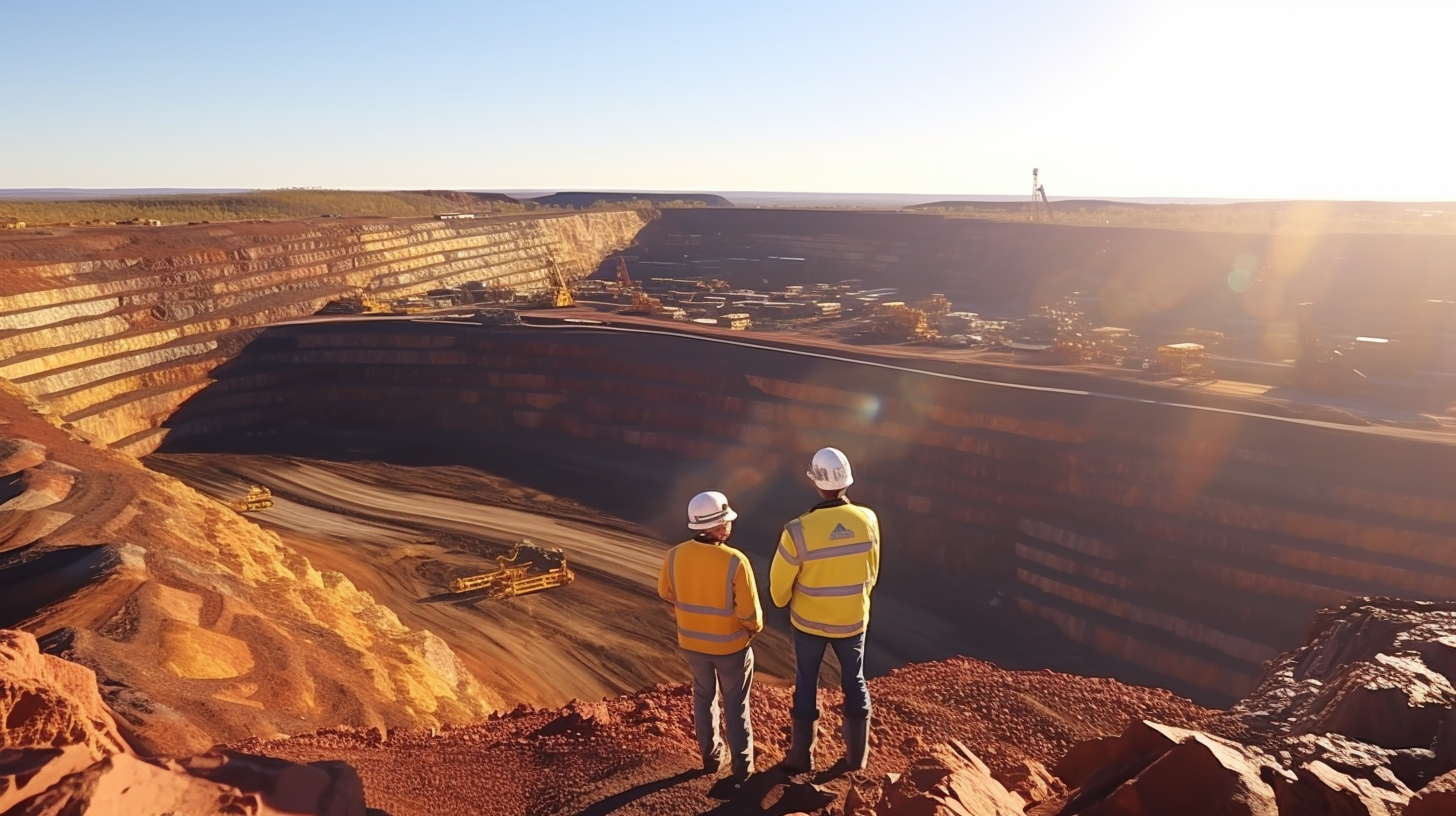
(1194, 544)
(1149, 280)
(113, 329)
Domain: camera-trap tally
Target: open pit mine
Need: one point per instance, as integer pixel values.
(1065, 522)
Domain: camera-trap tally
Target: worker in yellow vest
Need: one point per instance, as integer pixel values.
(711, 588)
(826, 565)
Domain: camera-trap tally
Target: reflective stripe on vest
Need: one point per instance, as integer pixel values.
(795, 529)
(830, 591)
(725, 611)
(835, 551)
(827, 628)
(717, 638)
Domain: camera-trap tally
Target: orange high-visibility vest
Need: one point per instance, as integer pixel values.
(712, 590)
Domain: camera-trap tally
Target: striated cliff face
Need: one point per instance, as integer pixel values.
(113, 329)
(1189, 544)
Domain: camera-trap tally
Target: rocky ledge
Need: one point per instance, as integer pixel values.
(1347, 724)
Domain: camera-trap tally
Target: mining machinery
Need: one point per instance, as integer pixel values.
(894, 320)
(1319, 366)
(624, 278)
(1041, 208)
(1183, 360)
(544, 568)
(937, 306)
(559, 296)
(257, 498)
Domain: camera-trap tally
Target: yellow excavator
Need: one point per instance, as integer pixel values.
(257, 498)
(544, 568)
(559, 295)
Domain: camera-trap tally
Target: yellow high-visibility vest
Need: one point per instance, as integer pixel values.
(827, 563)
(713, 593)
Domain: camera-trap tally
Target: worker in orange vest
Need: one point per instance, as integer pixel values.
(711, 588)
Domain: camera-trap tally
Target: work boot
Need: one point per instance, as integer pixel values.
(801, 749)
(856, 743)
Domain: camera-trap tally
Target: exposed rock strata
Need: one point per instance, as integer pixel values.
(113, 329)
(1194, 544)
(202, 626)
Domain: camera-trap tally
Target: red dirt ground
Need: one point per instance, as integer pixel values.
(637, 755)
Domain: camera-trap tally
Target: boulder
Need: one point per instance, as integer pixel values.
(1394, 701)
(323, 788)
(1098, 766)
(123, 785)
(1201, 776)
(1435, 799)
(578, 716)
(26, 772)
(1031, 781)
(952, 781)
(1382, 767)
(1319, 790)
(50, 703)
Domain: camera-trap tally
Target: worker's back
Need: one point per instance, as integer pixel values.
(713, 593)
(826, 566)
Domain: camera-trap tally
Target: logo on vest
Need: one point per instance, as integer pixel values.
(840, 531)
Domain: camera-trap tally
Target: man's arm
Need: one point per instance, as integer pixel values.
(745, 599)
(664, 581)
(784, 571)
(874, 550)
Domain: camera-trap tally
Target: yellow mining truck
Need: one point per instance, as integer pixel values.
(1184, 360)
(257, 498)
(544, 568)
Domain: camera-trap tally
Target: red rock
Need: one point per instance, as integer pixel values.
(1319, 790)
(324, 788)
(1031, 781)
(1435, 799)
(1202, 776)
(1391, 701)
(578, 716)
(1097, 766)
(47, 702)
(27, 772)
(122, 785)
(855, 801)
(18, 454)
(952, 781)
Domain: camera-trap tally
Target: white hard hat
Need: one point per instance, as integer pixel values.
(709, 509)
(830, 470)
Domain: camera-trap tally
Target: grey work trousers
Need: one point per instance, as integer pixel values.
(733, 673)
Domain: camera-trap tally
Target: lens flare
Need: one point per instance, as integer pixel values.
(1244, 273)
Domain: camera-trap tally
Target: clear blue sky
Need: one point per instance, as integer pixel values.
(1226, 98)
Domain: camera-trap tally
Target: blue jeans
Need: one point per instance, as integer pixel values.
(809, 655)
(733, 675)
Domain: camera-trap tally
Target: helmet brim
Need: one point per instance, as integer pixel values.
(708, 525)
